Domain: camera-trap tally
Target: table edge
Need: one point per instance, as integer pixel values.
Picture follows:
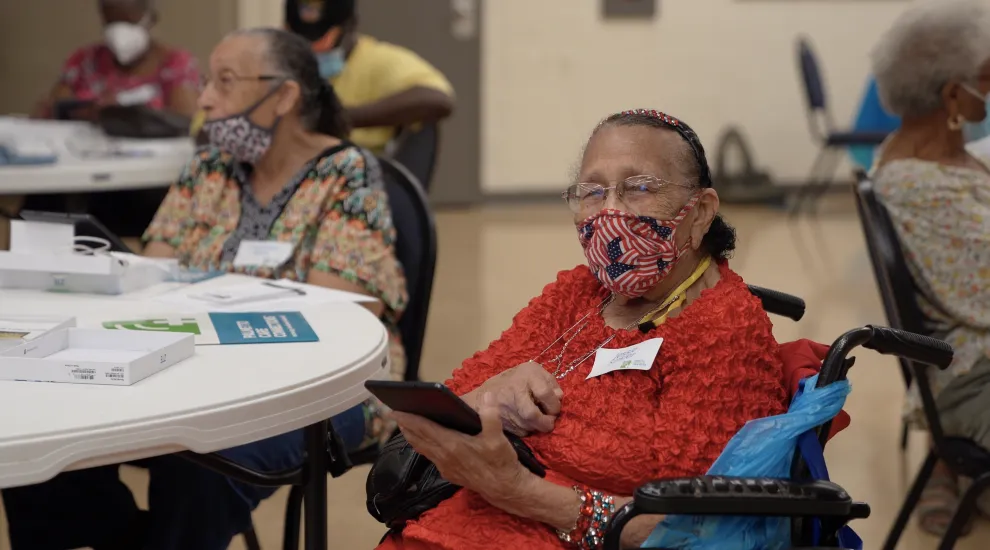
(286, 410)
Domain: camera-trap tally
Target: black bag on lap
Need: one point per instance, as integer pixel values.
(403, 484)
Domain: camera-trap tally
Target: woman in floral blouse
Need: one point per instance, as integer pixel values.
(277, 171)
(933, 70)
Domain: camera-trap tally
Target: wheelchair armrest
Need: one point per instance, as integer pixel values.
(737, 496)
(779, 303)
(742, 496)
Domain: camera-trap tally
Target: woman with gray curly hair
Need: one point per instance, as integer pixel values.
(933, 70)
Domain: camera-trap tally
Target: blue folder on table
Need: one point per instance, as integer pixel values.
(262, 328)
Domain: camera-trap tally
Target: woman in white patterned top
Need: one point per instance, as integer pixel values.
(933, 70)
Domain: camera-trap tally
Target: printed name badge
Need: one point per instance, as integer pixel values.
(638, 357)
(262, 253)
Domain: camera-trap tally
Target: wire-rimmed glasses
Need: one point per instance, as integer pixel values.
(226, 80)
(636, 192)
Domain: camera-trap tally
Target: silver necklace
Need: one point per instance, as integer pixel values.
(583, 321)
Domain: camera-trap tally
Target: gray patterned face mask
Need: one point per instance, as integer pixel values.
(237, 135)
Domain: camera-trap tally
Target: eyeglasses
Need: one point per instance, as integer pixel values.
(226, 80)
(636, 192)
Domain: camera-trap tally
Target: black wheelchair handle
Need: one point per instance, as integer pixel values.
(779, 303)
(910, 346)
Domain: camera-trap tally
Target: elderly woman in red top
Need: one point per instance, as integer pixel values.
(129, 67)
(699, 359)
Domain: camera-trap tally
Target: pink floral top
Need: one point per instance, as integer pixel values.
(334, 213)
(92, 72)
(942, 217)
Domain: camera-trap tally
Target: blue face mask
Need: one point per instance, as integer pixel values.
(331, 62)
(975, 131)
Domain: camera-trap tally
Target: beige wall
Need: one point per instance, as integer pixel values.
(553, 68)
(259, 13)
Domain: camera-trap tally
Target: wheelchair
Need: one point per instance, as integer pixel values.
(818, 510)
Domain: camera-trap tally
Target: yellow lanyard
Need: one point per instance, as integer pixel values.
(675, 299)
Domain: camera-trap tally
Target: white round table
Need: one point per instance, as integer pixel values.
(223, 396)
(136, 164)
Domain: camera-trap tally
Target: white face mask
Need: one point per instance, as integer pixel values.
(127, 41)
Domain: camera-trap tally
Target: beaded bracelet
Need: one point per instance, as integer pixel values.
(596, 512)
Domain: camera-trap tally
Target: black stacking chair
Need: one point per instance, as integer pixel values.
(899, 294)
(798, 498)
(416, 247)
(898, 303)
(418, 150)
(833, 142)
(417, 250)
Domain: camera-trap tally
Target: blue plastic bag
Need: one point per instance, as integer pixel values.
(762, 448)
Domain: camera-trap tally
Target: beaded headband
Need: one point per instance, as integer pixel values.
(682, 129)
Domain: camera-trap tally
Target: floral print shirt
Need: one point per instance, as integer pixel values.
(334, 213)
(942, 217)
(92, 72)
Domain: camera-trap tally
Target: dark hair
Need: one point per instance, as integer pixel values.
(333, 13)
(720, 241)
(143, 5)
(290, 55)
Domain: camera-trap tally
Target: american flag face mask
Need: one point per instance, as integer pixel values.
(630, 254)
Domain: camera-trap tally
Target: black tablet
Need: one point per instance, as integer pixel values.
(434, 401)
(430, 400)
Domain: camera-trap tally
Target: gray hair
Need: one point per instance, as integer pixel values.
(929, 46)
(290, 56)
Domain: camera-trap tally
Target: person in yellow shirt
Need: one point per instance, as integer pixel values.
(383, 87)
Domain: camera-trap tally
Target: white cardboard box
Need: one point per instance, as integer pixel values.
(100, 274)
(18, 329)
(95, 356)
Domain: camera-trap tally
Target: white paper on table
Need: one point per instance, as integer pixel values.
(313, 295)
(38, 238)
(240, 294)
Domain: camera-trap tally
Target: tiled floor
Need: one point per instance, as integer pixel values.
(492, 261)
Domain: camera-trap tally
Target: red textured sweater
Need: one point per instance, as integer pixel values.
(719, 367)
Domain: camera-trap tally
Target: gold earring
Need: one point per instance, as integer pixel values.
(955, 123)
